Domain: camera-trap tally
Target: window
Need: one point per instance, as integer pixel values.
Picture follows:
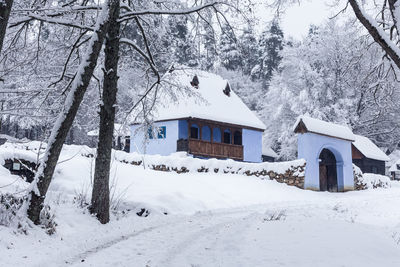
(150, 133)
(237, 138)
(162, 132)
(206, 133)
(217, 135)
(227, 136)
(194, 131)
(127, 146)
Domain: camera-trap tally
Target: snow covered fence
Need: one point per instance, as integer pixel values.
(290, 172)
(363, 181)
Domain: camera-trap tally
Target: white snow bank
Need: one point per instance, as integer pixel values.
(372, 180)
(181, 160)
(325, 128)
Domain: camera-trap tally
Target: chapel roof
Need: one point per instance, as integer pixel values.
(307, 124)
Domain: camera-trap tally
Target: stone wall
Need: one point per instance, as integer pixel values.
(292, 174)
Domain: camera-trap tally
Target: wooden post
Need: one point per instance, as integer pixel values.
(200, 134)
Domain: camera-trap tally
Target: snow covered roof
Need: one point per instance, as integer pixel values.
(119, 130)
(267, 151)
(369, 149)
(178, 99)
(266, 148)
(308, 124)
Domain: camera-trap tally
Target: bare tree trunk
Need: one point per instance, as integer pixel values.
(100, 203)
(65, 119)
(387, 45)
(5, 9)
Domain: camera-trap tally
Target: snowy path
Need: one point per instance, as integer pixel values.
(308, 235)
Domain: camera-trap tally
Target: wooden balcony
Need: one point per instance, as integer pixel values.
(203, 148)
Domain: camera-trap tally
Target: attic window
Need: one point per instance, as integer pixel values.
(227, 90)
(195, 82)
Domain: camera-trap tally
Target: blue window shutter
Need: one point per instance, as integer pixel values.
(162, 132)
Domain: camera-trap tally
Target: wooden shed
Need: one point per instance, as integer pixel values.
(367, 156)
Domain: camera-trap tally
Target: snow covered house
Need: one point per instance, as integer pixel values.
(394, 170)
(121, 138)
(199, 113)
(326, 147)
(367, 156)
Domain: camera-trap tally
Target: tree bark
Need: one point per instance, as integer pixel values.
(65, 119)
(390, 48)
(5, 10)
(100, 203)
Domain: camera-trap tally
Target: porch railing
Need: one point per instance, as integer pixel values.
(208, 149)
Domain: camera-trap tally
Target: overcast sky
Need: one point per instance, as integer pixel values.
(297, 18)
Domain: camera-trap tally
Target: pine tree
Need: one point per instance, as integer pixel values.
(230, 56)
(209, 56)
(270, 45)
(249, 49)
(182, 42)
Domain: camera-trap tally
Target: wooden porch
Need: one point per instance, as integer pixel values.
(212, 139)
(203, 148)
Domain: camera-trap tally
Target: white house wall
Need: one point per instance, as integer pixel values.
(154, 146)
(252, 145)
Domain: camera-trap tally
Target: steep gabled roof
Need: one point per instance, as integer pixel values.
(369, 149)
(178, 99)
(307, 124)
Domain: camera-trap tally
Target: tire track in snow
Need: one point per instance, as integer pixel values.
(81, 257)
(193, 242)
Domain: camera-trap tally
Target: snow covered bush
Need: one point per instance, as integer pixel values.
(364, 181)
(373, 181)
(9, 206)
(47, 220)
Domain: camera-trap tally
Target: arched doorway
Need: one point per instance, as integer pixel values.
(327, 171)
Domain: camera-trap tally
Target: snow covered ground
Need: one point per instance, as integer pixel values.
(213, 220)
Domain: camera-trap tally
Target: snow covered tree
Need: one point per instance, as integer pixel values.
(209, 54)
(386, 30)
(181, 42)
(230, 55)
(5, 10)
(270, 44)
(248, 49)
